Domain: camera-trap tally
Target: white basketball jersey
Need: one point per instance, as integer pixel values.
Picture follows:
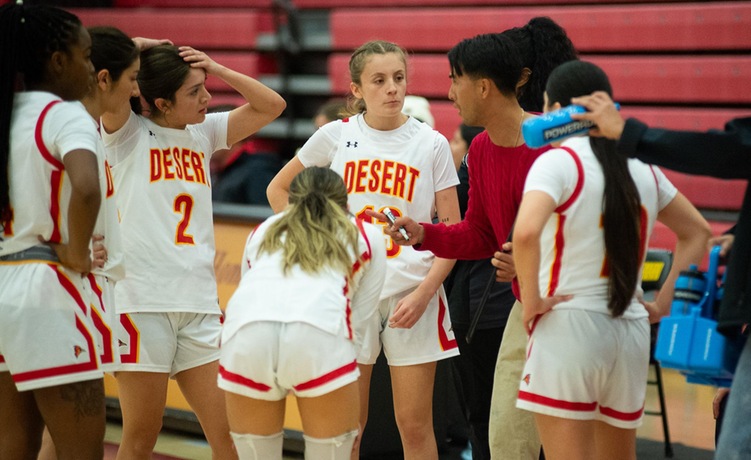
(326, 300)
(43, 130)
(400, 169)
(164, 195)
(572, 242)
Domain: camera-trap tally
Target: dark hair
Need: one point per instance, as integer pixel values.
(469, 132)
(162, 73)
(543, 45)
(29, 35)
(111, 49)
(492, 56)
(621, 215)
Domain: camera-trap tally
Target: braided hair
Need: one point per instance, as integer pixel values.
(29, 35)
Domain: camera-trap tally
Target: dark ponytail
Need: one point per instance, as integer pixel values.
(543, 45)
(621, 216)
(28, 37)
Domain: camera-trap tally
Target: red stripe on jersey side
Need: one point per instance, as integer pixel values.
(326, 378)
(618, 415)
(443, 338)
(91, 365)
(2, 359)
(579, 182)
(134, 340)
(347, 309)
(40, 141)
(555, 269)
(57, 176)
(240, 380)
(56, 185)
(557, 403)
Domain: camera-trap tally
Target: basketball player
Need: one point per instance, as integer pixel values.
(305, 340)
(391, 160)
(169, 314)
(49, 191)
(579, 244)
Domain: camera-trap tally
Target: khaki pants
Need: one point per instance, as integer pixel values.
(513, 434)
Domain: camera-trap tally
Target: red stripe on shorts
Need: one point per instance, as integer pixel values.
(326, 378)
(134, 340)
(625, 416)
(557, 403)
(91, 365)
(443, 338)
(240, 380)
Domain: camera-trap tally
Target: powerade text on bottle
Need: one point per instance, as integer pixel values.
(555, 126)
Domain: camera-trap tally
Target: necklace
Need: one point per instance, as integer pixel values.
(519, 132)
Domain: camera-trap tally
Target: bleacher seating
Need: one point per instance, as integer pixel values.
(643, 79)
(211, 29)
(674, 64)
(593, 28)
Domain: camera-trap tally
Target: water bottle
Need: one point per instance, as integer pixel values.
(689, 291)
(555, 126)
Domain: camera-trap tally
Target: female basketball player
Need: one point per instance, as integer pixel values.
(305, 339)
(170, 318)
(49, 191)
(579, 243)
(391, 160)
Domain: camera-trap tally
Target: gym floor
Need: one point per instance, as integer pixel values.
(689, 411)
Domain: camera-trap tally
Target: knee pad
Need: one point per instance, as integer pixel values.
(255, 447)
(337, 448)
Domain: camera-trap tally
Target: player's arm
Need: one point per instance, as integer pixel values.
(82, 170)
(693, 232)
(535, 209)
(262, 106)
(278, 190)
(410, 309)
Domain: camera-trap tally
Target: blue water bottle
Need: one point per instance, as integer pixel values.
(555, 126)
(690, 287)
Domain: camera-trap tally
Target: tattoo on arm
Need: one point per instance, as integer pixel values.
(444, 220)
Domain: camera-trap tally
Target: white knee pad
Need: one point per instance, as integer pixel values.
(255, 447)
(338, 448)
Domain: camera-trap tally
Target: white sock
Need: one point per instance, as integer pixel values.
(338, 448)
(255, 447)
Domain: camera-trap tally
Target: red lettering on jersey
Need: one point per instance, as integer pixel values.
(399, 175)
(349, 174)
(414, 173)
(156, 165)
(177, 155)
(110, 182)
(167, 161)
(375, 176)
(362, 172)
(185, 154)
(388, 175)
(177, 163)
(196, 160)
(380, 176)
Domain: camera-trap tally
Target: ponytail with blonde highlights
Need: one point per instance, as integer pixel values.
(315, 230)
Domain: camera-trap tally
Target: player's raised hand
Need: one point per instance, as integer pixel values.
(199, 59)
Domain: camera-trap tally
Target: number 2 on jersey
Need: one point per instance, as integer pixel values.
(392, 249)
(184, 205)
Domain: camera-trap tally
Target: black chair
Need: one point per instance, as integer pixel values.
(656, 268)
